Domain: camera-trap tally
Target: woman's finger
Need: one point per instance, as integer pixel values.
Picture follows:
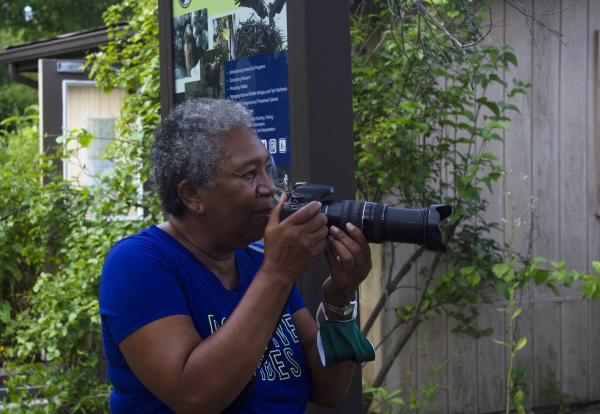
(275, 213)
(347, 248)
(359, 237)
(304, 214)
(333, 260)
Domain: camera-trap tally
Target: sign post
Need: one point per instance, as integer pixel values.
(289, 63)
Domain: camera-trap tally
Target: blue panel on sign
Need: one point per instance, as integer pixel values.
(261, 84)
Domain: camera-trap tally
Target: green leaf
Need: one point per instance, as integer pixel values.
(553, 289)
(493, 106)
(500, 269)
(540, 276)
(489, 156)
(518, 397)
(487, 332)
(516, 314)
(84, 138)
(472, 332)
(587, 290)
(5, 311)
(510, 107)
(522, 342)
(502, 289)
(474, 278)
(510, 57)
(499, 342)
(498, 125)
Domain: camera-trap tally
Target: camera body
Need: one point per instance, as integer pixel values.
(378, 221)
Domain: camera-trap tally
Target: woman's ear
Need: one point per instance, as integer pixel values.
(190, 196)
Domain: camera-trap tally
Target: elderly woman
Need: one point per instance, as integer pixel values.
(194, 313)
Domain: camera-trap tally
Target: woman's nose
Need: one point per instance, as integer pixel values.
(266, 185)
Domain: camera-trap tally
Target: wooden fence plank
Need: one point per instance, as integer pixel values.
(547, 348)
(403, 374)
(573, 136)
(491, 361)
(593, 193)
(594, 351)
(462, 372)
(518, 140)
(523, 327)
(574, 349)
(495, 92)
(432, 356)
(369, 294)
(545, 127)
(593, 139)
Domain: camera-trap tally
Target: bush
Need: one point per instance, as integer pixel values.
(55, 236)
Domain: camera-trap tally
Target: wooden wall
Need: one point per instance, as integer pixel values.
(554, 143)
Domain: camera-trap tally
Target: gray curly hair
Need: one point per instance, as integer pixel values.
(186, 145)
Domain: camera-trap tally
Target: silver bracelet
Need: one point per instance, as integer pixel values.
(345, 310)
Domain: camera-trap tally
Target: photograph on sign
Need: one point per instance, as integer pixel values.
(190, 38)
(237, 50)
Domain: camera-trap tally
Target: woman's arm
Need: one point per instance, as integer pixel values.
(191, 374)
(350, 262)
(330, 384)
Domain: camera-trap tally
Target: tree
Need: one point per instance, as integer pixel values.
(446, 27)
(38, 19)
(14, 97)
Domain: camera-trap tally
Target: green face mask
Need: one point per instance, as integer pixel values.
(340, 341)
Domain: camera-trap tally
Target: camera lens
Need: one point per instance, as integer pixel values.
(381, 223)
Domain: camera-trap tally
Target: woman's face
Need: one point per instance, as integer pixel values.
(237, 209)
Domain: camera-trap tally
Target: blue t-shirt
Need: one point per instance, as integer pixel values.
(151, 275)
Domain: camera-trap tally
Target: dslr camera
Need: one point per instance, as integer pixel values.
(378, 222)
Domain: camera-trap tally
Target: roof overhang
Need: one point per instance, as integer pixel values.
(68, 46)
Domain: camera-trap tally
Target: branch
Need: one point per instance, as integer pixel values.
(389, 289)
(402, 341)
(368, 399)
(400, 323)
(10, 213)
(533, 16)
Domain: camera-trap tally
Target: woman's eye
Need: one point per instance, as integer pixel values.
(250, 173)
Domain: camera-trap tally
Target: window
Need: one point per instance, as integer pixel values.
(87, 107)
(104, 131)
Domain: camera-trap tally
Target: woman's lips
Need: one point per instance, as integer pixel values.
(265, 213)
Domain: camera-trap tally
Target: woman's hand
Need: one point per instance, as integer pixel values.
(293, 244)
(349, 258)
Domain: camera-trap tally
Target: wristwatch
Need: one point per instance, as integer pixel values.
(345, 310)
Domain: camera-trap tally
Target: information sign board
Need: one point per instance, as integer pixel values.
(237, 49)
